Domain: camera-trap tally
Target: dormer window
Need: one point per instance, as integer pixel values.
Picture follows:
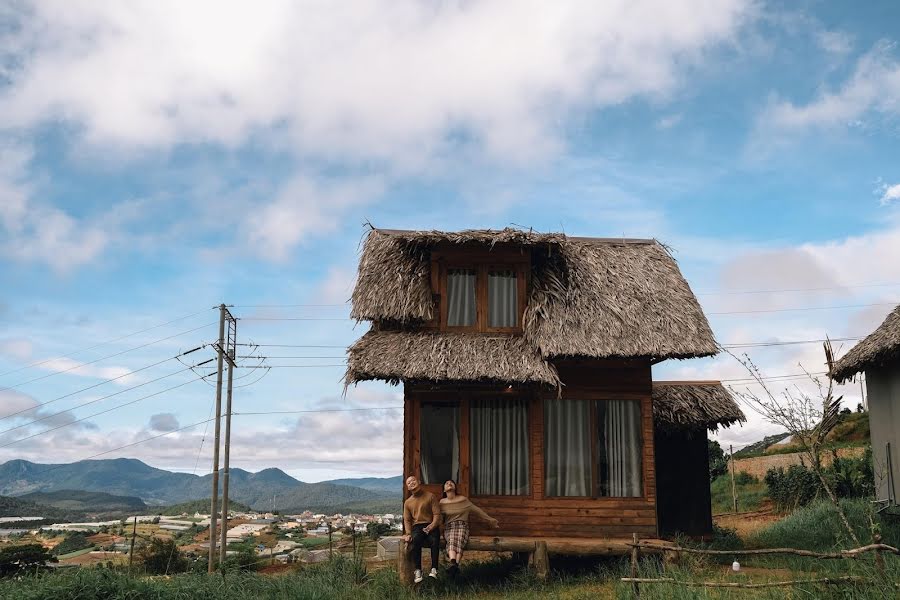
(480, 293)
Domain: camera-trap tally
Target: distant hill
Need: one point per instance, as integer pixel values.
(19, 507)
(392, 485)
(87, 502)
(131, 477)
(194, 506)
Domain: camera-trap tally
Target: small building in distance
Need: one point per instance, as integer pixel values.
(525, 360)
(878, 356)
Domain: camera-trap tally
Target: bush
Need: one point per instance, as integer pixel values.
(745, 478)
(718, 464)
(161, 557)
(798, 486)
(22, 560)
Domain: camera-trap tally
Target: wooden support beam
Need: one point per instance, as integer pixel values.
(405, 565)
(541, 560)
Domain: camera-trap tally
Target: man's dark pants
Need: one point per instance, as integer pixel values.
(420, 539)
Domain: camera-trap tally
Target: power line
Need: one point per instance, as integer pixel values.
(82, 405)
(80, 365)
(90, 387)
(814, 289)
(317, 410)
(102, 412)
(774, 310)
(290, 366)
(789, 343)
(127, 335)
(288, 305)
(296, 319)
(289, 346)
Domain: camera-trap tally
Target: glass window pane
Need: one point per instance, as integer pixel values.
(439, 442)
(620, 448)
(503, 302)
(460, 297)
(567, 448)
(499, 443)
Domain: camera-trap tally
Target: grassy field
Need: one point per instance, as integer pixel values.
(814, 527)
(751, 495)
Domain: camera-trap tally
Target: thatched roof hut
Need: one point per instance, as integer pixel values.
(694, 404)
(878, 349)
(588, 298)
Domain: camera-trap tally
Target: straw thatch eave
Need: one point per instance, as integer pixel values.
(397, 356)
(878, 349)
(590, 297)
(694, 404)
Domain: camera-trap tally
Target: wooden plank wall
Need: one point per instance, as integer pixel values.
(535, 515)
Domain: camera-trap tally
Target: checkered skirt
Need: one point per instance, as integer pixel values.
(457, 535)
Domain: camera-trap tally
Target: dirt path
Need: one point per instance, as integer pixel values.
(748, 523)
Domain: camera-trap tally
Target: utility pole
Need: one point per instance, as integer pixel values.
(131, 551)
(230, 356)
(215, 471)
(733, 492)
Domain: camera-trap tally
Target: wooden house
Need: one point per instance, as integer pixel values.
(878, 356)
(525, 360)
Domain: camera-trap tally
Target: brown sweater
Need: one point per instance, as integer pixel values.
(421, 509)
(459, 511)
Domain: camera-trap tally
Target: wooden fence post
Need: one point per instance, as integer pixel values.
(635, 586)
(405, 564)
(733, 490)
(879, 559)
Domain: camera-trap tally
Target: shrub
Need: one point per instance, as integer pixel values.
(160, 557)
(718, 464)
(745, 478)
(798, 485)
(25, 559)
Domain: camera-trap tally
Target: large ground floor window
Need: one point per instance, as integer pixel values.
(439, 450)
(593, 448)
(499, 447)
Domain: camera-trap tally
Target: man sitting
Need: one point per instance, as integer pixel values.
(421, 517)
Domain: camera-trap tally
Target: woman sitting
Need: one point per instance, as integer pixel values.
(456, 508)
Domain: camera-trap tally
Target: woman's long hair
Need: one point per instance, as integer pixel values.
(444, 492)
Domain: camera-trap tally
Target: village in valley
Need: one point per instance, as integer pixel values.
(462, 300)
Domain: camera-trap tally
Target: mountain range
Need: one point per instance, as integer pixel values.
(261, 490)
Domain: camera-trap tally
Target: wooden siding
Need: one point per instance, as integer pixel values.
(534, 515)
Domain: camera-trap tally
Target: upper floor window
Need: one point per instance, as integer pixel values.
(482, 297)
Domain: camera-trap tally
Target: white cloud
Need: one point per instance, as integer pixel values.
(389, 80)
(16, 348)
(890, 193)
(872, 88)
(34, 230)
(163, 422)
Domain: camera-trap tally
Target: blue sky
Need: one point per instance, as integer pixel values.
(157, 159)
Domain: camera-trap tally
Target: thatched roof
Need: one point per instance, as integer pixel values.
(589, 297)
(691, 404)
(879, 348)
(429, 356)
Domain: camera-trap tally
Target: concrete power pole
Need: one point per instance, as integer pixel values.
(232, 353)
(215, 471)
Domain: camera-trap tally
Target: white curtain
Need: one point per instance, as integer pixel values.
(439, 442)
(567, 448)
(460, 297)
(499, 443)
(620, 423)
(502, 299)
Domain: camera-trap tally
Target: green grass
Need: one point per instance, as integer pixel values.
(750, 495)
(315, 542)
(818, 527)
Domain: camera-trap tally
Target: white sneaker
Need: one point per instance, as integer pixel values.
(418, 577)
(433, 573)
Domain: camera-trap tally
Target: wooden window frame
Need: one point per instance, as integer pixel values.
(595, 453)
(442, 270)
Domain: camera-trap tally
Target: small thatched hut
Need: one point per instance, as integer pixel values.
(878, 355)
(526, 364)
